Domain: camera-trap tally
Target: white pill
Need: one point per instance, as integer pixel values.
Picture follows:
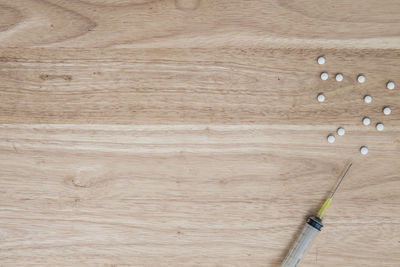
(361, 78)
(321, 60)
(341, 131)
(366, 121)
(339, 77)
(321, 97)
(390, 85)
(364, 150)
(380, 126)
(367, 99)
(387, 111)
(331, 139)
(324, 76)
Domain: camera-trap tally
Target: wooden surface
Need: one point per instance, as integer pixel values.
(187, 133)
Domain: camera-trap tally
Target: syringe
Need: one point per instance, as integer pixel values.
(310, 231)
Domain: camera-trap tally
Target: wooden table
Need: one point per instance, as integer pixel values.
(187, 133)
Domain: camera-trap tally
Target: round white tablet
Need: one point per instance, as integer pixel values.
(321, 97)
(387, 111)
(321, 60)
(367, 99)
(364, 150)
(361, 78)
(331, 139)
(324, 76)
(380, 126)
(341, 131)
(390, 85)
(339, 77)
(366, 121)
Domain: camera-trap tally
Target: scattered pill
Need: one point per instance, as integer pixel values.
(321, 97)
(390, 85)
(366, 121)
(324, 76)
(339, 77)
(321, 60)
(387, 111)
(364, 150)
(367, 99)
(331, 138)
(380, 126)
(361, 78)
(341, 131)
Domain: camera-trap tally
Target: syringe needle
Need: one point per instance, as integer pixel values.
(341, 179)
(324, 208)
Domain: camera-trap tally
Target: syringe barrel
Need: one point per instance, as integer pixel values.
(303, 242)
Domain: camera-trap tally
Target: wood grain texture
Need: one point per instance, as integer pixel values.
(187, 133)
(164, 86)
(205, 23)
(192, 195)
